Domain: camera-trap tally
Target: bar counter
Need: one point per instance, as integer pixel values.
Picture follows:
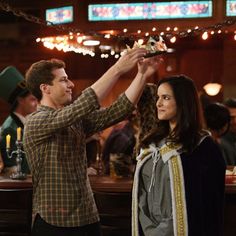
(7, 183)
(98, 183)
(112, 195)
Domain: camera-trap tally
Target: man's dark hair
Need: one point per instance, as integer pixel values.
(41, 73)
(216, 116)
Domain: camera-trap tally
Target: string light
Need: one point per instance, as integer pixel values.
(205, 36)
(140, 41)
(107, 36)
(172, 35)
(173, 39)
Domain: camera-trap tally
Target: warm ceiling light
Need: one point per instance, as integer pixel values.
(91, 42)
(79, 39)
(107, 36)
(140, 41)
(173, 39)
(212, 89)
(170, 50)
(205, 36)
(105, 47)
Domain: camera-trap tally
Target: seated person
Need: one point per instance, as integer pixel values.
(118, 148)
(93, 151)
(228, 141)
(217, 119)
(13, 91)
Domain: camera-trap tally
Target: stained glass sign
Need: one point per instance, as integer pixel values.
(60, 15)
(149, 10)
(231, 8)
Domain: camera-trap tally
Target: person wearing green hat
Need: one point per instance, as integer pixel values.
(13, 91)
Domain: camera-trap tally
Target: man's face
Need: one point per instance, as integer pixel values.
(60, 91)
(28, 104)
(232, 112)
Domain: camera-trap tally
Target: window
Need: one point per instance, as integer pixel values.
(231, 8)
(60, 15)
(149, 10)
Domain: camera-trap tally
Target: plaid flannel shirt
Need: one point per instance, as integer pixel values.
(54, 141)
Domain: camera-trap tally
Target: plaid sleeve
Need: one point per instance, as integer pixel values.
(48, 120)
(105, 117)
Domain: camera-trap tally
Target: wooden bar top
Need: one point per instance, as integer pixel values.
(8, 183)
(108, 184)
(98, 183)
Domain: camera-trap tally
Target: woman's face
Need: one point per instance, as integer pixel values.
(166, 104)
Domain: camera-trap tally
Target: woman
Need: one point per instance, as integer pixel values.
(179, 180)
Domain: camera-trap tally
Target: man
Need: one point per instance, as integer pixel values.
(217, 119)
(13, 90)
(55, 140)
(228, 141)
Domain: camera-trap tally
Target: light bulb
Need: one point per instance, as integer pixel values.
(212, 89)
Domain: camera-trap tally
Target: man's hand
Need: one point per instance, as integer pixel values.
(149, 66)
(129, 59)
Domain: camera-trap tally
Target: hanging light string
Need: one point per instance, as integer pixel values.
(181, 34)
(200, 30)
(16, 12)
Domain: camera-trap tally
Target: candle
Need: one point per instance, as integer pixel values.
(18, 133)
(8, 140)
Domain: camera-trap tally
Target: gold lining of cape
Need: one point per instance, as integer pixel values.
(179, 192)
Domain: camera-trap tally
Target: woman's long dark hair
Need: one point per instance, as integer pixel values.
(189, 115)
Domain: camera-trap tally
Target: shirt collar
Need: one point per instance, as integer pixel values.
(22, 118)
